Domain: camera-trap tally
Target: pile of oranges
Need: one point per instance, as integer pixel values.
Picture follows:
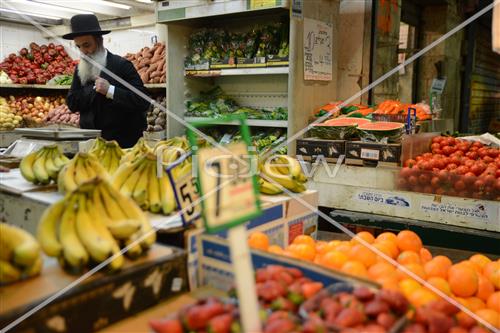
(475, 283)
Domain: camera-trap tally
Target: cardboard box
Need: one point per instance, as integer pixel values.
(100, 300)
(283, 219)
(311, 148)
(251, 63)
(275, 61)
(372, 154)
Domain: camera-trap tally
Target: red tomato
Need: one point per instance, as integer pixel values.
(428, 189)
(479, 184)
(483, 152)
(489, 180)
(473, 155)
(488, 159)
(425, 165)
(497, 185)
(435, 182)
(413, 180)
(419, 158)
(469, 178)
(493, 152)
(405, 172)
(437, 139)
(463, 147)
(459, 185)
(497, 173)
(451, 166)
(410, 163)
(455, 159)
(468, 163)
(435, 146)
(424, 179)
(462, 170)
(458, 153)
(451, 141)
(438, 151)
(476, 169)
(448, 150)
(477, 144)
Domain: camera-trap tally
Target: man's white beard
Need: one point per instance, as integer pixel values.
(86, 70)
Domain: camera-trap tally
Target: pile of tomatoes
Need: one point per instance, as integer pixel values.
(454, 167)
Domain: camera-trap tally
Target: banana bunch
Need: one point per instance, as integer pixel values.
(139, 149)
(98, 146)
(281, 170)
(139, 180)
(20, 255)
(43, 166)
(80, 169)
(108, 153)
(93, 223)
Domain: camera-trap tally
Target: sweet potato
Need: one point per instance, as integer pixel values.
(154, 74)
(145, 77)
(156, 79)
(163, 79)
(152, 68)
(145, 51)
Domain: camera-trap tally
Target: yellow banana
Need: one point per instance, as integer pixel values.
(74, 252)
(134, 246)
(129, 185)
(140, 194)
(120, 229)
(168, 203)
(35, 269)
(114, 211)
(269, 188)
(39, 170)
(50, 165)
(60, 159)
(92, 239)
(122, 174)
(8, 272)
(148, 234)
(105, 158)
(67, 180)
(26, 167)
(285, 181)
(131, 210)
(81, 175)
(293, 165)
(154, 190)
(47, 228)
(18, 245)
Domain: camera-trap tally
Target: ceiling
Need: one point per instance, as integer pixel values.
(55, 12)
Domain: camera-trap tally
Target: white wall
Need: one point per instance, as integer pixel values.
(121, 42)
(14, 36)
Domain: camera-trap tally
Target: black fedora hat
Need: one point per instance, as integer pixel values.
(85, 24)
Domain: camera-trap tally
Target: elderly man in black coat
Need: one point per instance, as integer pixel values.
(103, 102)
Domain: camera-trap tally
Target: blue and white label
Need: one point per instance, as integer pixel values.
(383, 198)
(475, 211)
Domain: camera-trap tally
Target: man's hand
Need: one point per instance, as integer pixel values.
(101, 86)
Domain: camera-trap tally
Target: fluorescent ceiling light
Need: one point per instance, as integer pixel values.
(144, 1)
(31, 5)
(110, 4)
(18, 12)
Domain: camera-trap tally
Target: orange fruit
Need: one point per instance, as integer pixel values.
(381, 269)
(258, 240)
(457, 329)
(492, 272)
(464, 320)
(438, 266)
(484, 288)
(334, 259)
(303, 251)
(472, 265)
(489, 315)
(425, 255)
(408, 241)
(386, 236)
(494, 301)
(290, 254)
(408, 286)
(276, 249)
(387, 247)
(441, 284)
(363, 254)
(320, 247)
(355, 268)
(344, 246)
(421, 297)
(408, 257)
(388, 282)
(480, 259)
(304, 239)
(365, 235)
(475, 303)
(416, 269)
(463, 280)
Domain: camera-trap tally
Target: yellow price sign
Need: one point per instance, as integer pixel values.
(257, 4)
(227, 186)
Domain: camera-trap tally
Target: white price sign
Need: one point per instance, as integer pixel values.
(187, 197)
(227, 186)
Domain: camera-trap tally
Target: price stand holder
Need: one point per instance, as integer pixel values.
(229, 189)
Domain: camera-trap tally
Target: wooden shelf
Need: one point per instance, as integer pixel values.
(238, 71)
(35, 86)
(250, 122)
(155, 85)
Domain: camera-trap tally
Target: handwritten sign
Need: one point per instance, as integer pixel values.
(318, 38)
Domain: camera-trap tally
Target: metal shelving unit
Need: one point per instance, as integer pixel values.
(259, 88)
(250, 122)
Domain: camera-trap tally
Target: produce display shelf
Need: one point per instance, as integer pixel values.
(155, 85)
(35, 86)
(432, 234)
(250, 122)
(238, 71)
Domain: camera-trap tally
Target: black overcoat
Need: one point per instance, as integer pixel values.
(122, 118)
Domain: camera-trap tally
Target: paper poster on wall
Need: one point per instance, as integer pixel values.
(318, 38)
